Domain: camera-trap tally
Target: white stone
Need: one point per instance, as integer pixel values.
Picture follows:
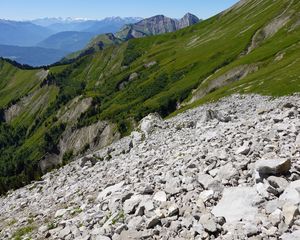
(244, 150)
(160, 196)
(289, 211)
(291, 236)
(275, 217)
(297, 142)
(291, 193)
(227, 172)
(237, 203)
(131, 204)
(206, 195)
(205, 180)
(112, 189)
(63, 233)
(60, 212)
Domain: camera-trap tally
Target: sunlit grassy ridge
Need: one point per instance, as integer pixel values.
(186, 69)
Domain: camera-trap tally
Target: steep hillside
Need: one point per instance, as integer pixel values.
(147, 27)
(251, 48)
(98, 43)
(227, 170)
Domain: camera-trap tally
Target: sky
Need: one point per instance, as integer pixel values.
(98, 9)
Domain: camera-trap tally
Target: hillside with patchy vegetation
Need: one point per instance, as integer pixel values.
(253, 47)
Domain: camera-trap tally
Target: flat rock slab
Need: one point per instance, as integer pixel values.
(109, 190)
(237, 203)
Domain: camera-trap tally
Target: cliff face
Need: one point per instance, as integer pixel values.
(188, 20)
(156, 25)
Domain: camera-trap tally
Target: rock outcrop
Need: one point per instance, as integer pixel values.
(190, 177)
(156, 25)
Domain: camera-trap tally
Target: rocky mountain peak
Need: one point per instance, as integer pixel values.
(188, 20)
(155, 25)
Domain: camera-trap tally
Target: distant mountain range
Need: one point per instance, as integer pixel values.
(111, 24)
(22, 33)
(156, 25)
(45, 41)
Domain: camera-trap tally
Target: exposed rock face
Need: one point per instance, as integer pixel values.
(33, 103)
(79, 141)
(156, 25)
(209, 85)
(74, 109)
(188, 20)
(183, 178)
(268, 31)
(97, 135)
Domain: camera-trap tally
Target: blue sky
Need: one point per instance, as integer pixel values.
(97, 9)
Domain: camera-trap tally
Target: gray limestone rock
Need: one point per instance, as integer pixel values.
(273, 167)
(63, 233)
(135, 223)
(205, 180)
(289, 212)
(153, 222)
(291, 236)
(278, 182)
(227, 172)
(171, 179)
(208, 223)
(276, 217)
(160, 196)
(61, 212)
(291, 193)
(237, 203)
(243, 150)
(131, 204)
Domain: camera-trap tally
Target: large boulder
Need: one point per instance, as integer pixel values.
(110, 190)
(237, 204)
(148, 124)
(292, 193)
(276, 167)
(213, 114)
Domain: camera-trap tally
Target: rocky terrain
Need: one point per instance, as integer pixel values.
(226, 170)
(156, 25)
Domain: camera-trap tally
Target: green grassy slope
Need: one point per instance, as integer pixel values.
(186, 58)
(188, 67)
(15, 82)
